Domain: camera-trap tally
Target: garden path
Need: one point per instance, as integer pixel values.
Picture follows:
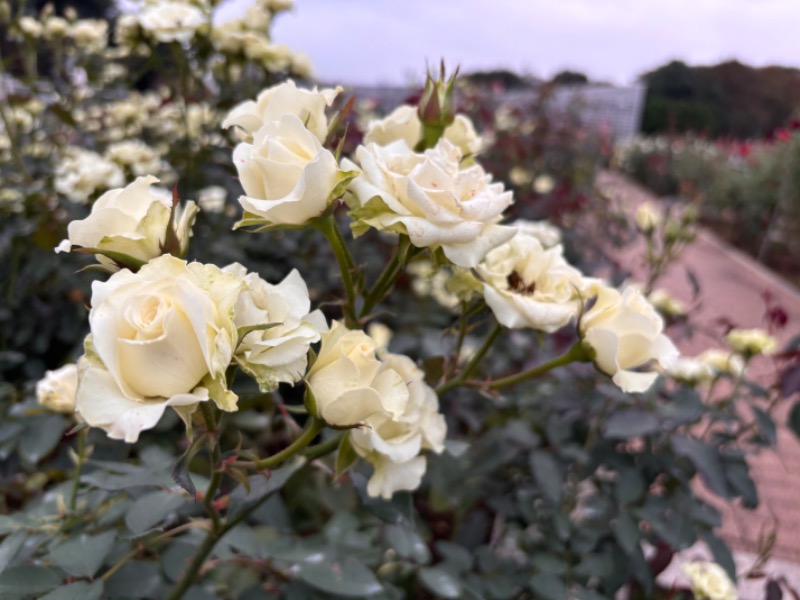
(732, 287)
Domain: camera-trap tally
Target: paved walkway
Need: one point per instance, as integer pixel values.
(732, 286)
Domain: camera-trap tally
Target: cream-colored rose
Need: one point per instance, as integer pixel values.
(527, 285)
(647, 217)
(284, 99)
(172, 21)
(287, 176)
(691, 371)
(133, 221)
(349, 383)
(56, 390)
(431, 199)
(723, 362)
(161, 337)
(548, 234)
(80, 173)
(212, 198)
(140, 158)
(278, 354)
(90, 35)
(543, 184)
(392, 443)
(403, 124)
(666, 304)
(749, 342)
(30, 27)
(709, 581)
(625, 332)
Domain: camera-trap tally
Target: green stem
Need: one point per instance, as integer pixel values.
(577, 353)
(76, 475)
(347, 266)
(213, 536)
(388, 277)
(473, 363)
(314, 452)
(210, 418)
(311, 431)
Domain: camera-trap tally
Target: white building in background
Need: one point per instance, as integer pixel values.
(616, 108)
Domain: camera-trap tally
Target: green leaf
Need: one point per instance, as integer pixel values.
(347, 577)
(722, 554)
(262, 486)
(793, 419)
(82, 556)
(705, 459)
(123, 260)
(243, 331)
(136, 579)
(632, 422)
(440, 582)
(408, 544)
(547, 587)
(346, 455)
(151, 509)
(27, 580)
(548, 474)
(766, 425)
(10, 547)
(42, 435)
(80, 590)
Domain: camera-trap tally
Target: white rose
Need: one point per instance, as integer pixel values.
(161, 337)
(430, 199)
(647, 218)
(527, 285)
(348, 381)
(666, 304)
(284, 99)
(136, 155)
(212, 198)
(625, 332)
(172, 21)
(30, 27)
(80, 173)
(709, 581)
(543, 185)
(548, 234)
(287, 176)
(750, 342)
(403, 124)
(278, 354)
(56, 390)
(691, 371)
(133, 221)
(392, 443)
(90, 35)
(723, 362)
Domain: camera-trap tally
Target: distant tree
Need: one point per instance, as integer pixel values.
(570, 78)
(508, 79)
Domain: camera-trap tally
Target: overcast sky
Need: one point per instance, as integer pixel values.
(380, 41)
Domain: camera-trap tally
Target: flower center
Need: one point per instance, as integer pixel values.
(517, 284)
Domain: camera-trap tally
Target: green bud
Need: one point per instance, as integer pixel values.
(436, 108)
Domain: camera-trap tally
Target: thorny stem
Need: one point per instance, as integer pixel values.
(473, 363)
(311, 431)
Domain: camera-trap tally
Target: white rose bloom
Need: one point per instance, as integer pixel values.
(691, 371)
(527, 285)
(543, 184)
(161, 337)
(302, 65)
(392, 443)
(723, 362)
(625, 332)
(132, 220)
(666, 304)
(30, 27)
(90, 35)
(80, 173)
(284, 99)
(430, 199)
(750, 342)
(709, 581)
(403, 124)
(212, 198)
(548, 234)
(278, 354)
(647, 217)
(287, 176)
(57, 390)
(172, 21)
(136, 155)
(349, 382)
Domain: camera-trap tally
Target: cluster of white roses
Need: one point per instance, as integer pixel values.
(164, 332)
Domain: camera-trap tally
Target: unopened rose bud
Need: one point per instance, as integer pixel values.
(749, 342)
(436, 108)
(648, 218)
